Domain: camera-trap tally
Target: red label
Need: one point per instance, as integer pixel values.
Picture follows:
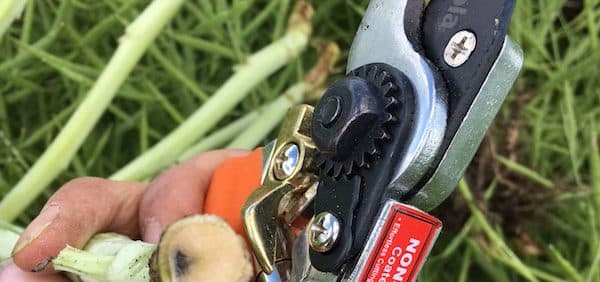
(402, 246)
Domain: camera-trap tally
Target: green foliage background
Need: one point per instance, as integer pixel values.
(536, 191)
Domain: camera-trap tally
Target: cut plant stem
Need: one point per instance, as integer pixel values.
(113, 257)
(82, 263)
(107, 257)
(191, 249)
(132, 45)
(201, 248)
(298, 93)
(10, 10)
(256, 68)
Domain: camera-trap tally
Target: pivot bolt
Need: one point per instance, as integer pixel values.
(323, 232)
(347, 111)
(286, 161)
(331, 111)
(459, 49)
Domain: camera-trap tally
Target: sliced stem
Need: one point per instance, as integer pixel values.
(198, 247)
(138, 36)
(83, 263)
(257, 67)
(107, 257)
(191, 249)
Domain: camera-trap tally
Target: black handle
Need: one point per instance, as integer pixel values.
(488, 20)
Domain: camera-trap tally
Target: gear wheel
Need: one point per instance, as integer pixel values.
(352, 120)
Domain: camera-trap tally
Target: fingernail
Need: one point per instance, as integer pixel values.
(152, 231)
(36, 228)
(42, 265)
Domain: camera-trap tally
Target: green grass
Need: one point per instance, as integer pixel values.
(50, 58)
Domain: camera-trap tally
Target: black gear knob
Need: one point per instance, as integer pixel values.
(347, 111)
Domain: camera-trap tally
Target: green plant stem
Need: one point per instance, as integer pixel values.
(138, 36)
(177, 74)
(510, 258)
(595, 265)
(9, 11)
(565, 264)
(107, 257)
(9, 235)
(51, 35)
(595, 165)
(270, 117)
(526, 172)
(222, 136)
(28, 18)
(307, 89)
(256, 68)
(82, 263)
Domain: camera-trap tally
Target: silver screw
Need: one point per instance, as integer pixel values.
(323, 232)
(286, 161)
(459, 49)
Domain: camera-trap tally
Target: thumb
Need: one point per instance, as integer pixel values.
(11, 272)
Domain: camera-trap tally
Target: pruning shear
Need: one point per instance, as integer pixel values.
(344, 189)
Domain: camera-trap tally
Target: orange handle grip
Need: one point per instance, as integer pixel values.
(231, 185)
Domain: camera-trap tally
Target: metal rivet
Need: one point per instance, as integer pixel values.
(459, 49)
(286, 161)
(331, 111)
(323, 232)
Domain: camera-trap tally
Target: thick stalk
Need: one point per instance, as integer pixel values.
(138, 36)
(270, 118)
(107, 257)
(10, 10)
(222, 136)
(308, 89)
(85, 264)
(257, 67)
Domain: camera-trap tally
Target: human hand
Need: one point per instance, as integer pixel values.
(86, 206)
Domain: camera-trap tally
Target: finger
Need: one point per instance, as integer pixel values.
(15, 274)
(77, 211)
(179, 192)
